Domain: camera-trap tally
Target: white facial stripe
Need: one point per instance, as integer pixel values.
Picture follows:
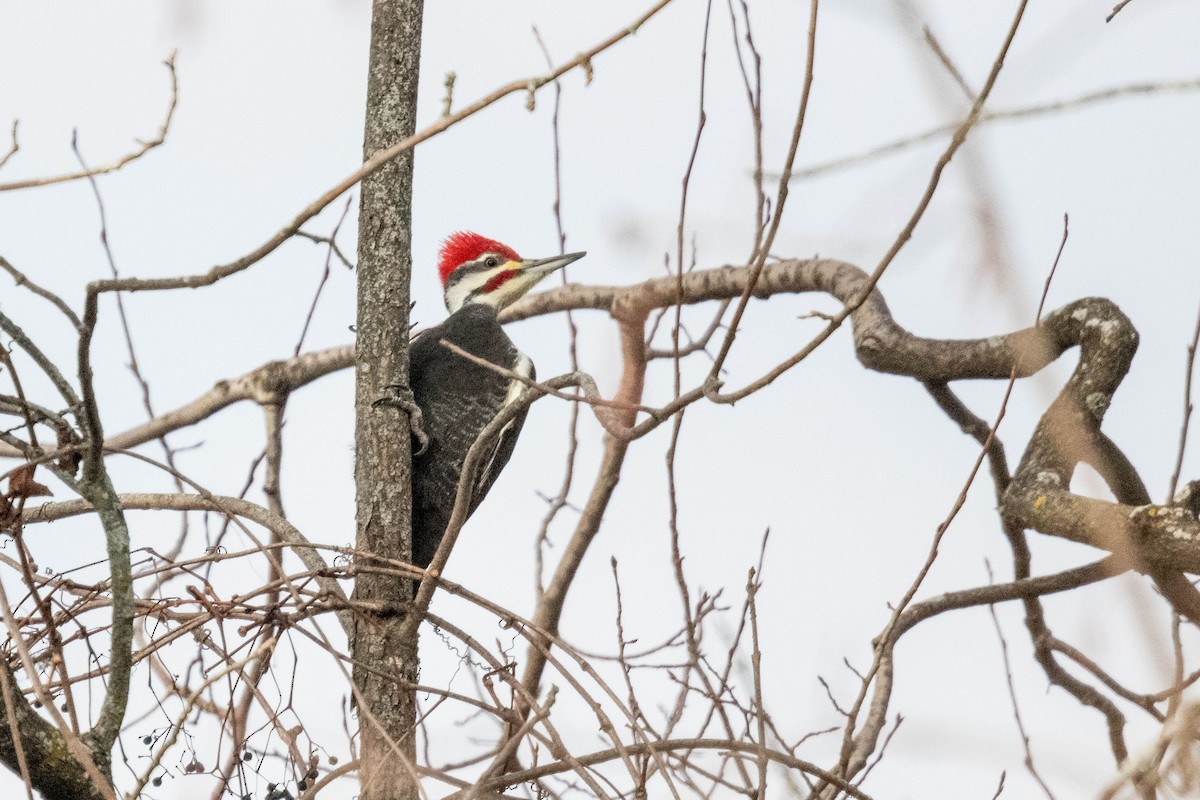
(459, 291)
(468, 288)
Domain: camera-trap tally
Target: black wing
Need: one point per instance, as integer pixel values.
(458, 399)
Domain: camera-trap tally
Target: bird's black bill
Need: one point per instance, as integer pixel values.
(546, 265)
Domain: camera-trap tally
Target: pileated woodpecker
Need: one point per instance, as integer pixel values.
(457, 397)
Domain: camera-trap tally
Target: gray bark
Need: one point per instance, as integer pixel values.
(388, 665)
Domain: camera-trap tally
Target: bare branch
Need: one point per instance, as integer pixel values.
(14, 147)
(287, 533)
(945, 61)
(1187, 410)
(1117, 10)
(672, 745)
(1012, 695)
(58, 302)
(113, 166)
(1042, 109)
(263, 385)
(371, 165)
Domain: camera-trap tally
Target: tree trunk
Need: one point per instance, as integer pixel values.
(386, 704)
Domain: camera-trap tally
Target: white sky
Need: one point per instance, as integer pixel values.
(851, 470)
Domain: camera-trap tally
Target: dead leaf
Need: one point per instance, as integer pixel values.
(22, 484)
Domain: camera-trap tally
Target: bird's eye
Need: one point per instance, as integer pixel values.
(492, 261)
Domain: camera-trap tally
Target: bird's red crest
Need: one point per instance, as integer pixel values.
(464, 246)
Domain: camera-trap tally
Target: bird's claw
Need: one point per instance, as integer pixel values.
(402, 399)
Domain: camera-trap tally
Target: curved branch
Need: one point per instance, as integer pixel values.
(1168, 537)
(1157, 538)
(880, 343)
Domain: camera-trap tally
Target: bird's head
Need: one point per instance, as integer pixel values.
(475, 269)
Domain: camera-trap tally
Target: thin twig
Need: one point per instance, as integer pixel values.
(316, 238)
(960, 136)
(945, 61)
(781, 198)
(333, 249)
(371, 165)
(177, 727)
(1042, 109)
(14, 147)
(1173, 485)
(1037, 318)
(58, 302)
(1117, 10)
(1012, 696)
(143, 148)
(559, 501)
